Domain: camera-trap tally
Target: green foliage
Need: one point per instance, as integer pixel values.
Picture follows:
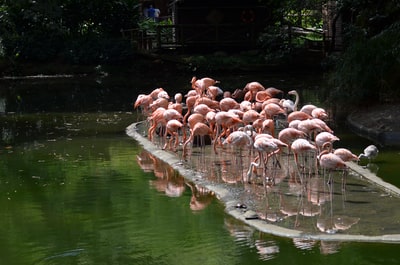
(367, 72)
(283, 39)
(72, 30)
(147, 24)
(275, 44)
(98, 50)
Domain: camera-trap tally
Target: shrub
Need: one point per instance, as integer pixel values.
(367, 72)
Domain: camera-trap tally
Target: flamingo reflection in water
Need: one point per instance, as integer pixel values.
(201, 197)
(168, 180)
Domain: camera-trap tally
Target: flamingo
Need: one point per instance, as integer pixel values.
(330, 161)
(268, 126)
(143, 101)
(238, 94)
(155, 92)
(228, 103)
(210, 118)
(258, 125)
(163, 94)
(190, 101)
(324, 137)
(207, 101)
(287, 105)
(245, 105)
(273, 92)
(323, 125)
(308, 108)
(262, 96)
(250, 116)
(289, 135)
(201, 85)
(251, 90)
(276, 141)
(263, 145)
(213, 92)
(236, 112)
(298, 115)
(294, 124)
(178, 103)
(370, 152)
(170, 114)
(191, 93)
(227, 94)
(319, 113)
(172, 128)
(200, 129)
(159, 102)
(301, 147)
(224, 120)
(156, 118)
(239, 139)
(195, 118)
(297, 98)
(272, 110)
(268, 101)
(345, 155)
(202, 109)
(310, 127)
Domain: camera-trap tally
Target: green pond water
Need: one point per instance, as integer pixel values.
(75, 189)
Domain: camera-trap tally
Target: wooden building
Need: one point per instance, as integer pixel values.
(210, 24)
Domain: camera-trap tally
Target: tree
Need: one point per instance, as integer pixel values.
(80, 31)
(367, 70)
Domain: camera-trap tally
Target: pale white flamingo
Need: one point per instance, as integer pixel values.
(370, 152)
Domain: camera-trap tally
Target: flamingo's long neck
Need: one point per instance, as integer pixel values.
(296, 102)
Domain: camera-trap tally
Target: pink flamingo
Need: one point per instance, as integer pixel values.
(265, 147)
(302, 147)
(224, 120)
(200, 129)
(324, 137)
(330, 161)
(172, 128)
(298, 115)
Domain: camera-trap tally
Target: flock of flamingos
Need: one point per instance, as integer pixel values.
(258, 119)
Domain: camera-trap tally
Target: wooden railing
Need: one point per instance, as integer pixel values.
(194, 35)
(211, 36)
